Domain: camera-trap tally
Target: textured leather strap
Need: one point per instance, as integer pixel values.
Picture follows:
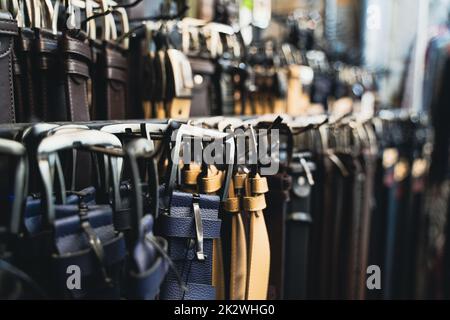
(8, 31)
(258, 247)
(195, 273)
(182, 227)
(77, 57)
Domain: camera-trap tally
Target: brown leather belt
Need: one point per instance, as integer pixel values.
(8, 31)
(77, 57)
(50, 101)
(111, 81)
(25, 92)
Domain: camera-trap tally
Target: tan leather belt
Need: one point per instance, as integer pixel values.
(238, 241)
(212, 183)
(258, 247)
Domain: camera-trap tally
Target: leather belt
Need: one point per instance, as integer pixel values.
(275, 216)
(26, 110)
(235, 246)
(77, 57)
(211, 184)
(298, 231)
(112, 75)
(50, 101)
(202, 93)
(190, 228)
(366, 220)
(324, 276)
(8, 31)
(258, 239)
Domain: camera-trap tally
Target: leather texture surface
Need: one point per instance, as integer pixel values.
(182, 250)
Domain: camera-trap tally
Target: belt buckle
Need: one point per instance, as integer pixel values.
(198, 227)
(94, 242)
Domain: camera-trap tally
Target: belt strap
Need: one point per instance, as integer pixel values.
(366, 224)
(275, 215)
(259, 247)
(77, 57)
(211, 184)
(185, 252)
(195, 291)
(26, 112)
(298, 230)
(183, 227)
(19, 85)
(114, 76)
(238, 246)
(76, 68)
(8, 31)
(50, 93)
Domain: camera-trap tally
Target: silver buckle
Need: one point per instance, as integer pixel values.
(198, 227)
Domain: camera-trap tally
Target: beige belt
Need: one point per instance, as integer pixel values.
(211, 184)
(258, 266)
(238, 258)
